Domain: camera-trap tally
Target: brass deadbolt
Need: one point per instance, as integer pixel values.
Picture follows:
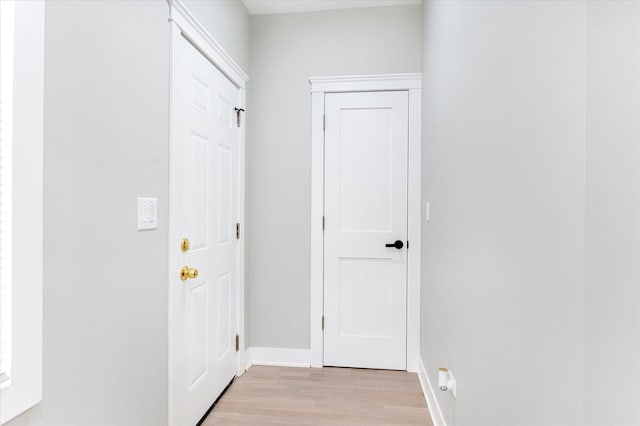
(187, 272)
(185, 245)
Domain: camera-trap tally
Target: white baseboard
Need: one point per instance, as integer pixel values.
(280, 357)
(432, 402)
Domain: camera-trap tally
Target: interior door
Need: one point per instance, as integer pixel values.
(203, 200)
(365, 287)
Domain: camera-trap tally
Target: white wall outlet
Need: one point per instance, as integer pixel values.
(147, 213)
(426, 211)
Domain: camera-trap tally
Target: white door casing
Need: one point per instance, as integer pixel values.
(365, 281)
(206, 201)
(321, 90)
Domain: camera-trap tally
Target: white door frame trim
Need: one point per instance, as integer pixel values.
(182, 23)
(366, 83)
(198, 35)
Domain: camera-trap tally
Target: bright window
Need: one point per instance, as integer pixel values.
(21, 171)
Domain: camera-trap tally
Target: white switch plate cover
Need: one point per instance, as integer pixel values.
(147, 213)
(427, 213)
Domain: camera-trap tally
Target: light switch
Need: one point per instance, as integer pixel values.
(147, 213)
(426, 212)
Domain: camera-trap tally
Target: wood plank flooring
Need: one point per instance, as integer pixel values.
(321, 396)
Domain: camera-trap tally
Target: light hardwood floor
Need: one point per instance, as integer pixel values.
(321, 396)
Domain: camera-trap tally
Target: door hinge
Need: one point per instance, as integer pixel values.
(237, 343)
(237, 231)
(323, 322)
(324, 122)
(238, 111)
(407, 244)
(323, 223)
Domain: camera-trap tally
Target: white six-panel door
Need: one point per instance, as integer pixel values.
(203, 191)
(365, 282)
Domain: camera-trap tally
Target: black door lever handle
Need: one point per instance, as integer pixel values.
(398, 244)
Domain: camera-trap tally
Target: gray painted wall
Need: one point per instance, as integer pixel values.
(531, 164)
(285, 51)
(105, 285)
(106, 142)
(228, 22)
(612, 274)
(504, 171)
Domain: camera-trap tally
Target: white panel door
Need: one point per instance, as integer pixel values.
(365, 287)
(204, 159)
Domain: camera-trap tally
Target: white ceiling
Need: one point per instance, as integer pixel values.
(266, 7)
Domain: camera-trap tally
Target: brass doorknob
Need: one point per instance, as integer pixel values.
(187, 272)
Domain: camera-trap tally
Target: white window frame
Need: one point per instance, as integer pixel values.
(24, 388)
(6, 135)
(412, 83)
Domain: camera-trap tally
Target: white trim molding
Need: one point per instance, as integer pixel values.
(317, 236)
(366, 83)
(412, 83)
(24, 388)
(429, 395)
(196, 33)
(241, 355)
(280, 357)
(414, 224)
